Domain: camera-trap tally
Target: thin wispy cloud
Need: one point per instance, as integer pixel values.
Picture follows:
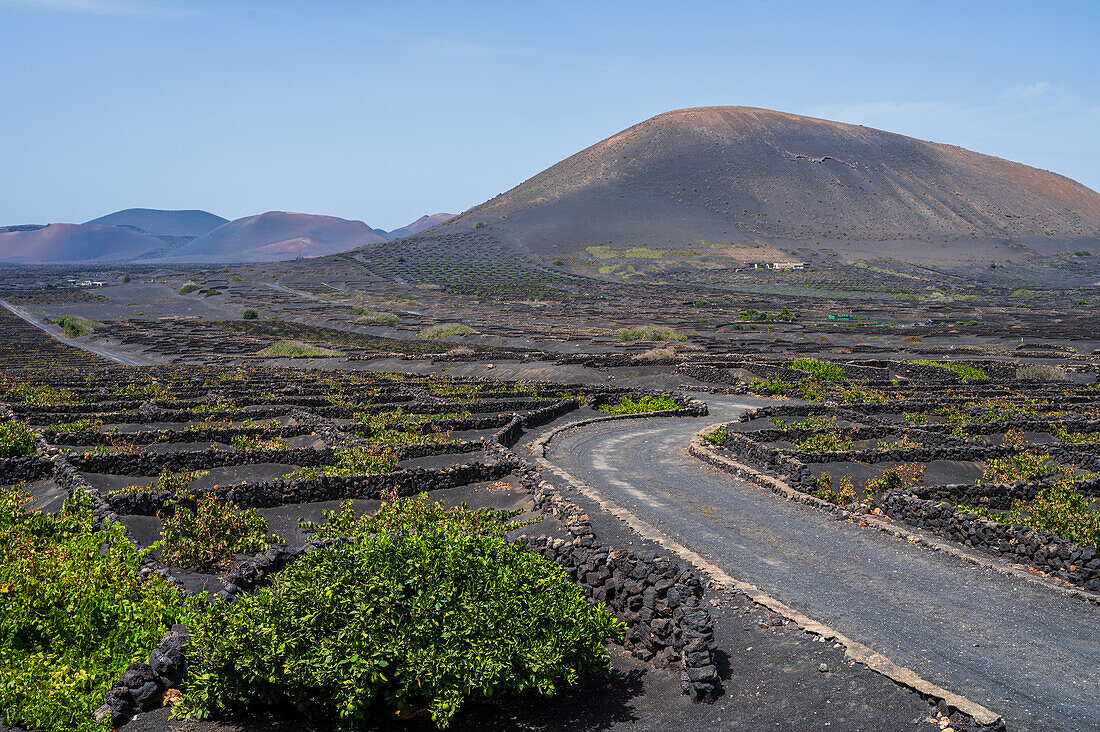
(117, 8)
(1029, 91)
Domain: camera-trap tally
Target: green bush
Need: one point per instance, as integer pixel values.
(1059, 509)
(296, 349)
(75, 326)
(644, 403)
(825, 442)
(651, 333)
(900, 477)
(188, 289)
(198, 534)
(73, 613)
(353, 461)
(444, 330)
(15, 439)
(772, 386)
(250, 314)
(413, 614)
(965, 372)
(718, 437)
(820, 370)
(1027, 465)
(373, 316)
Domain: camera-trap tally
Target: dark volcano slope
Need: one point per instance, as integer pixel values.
(738, 175)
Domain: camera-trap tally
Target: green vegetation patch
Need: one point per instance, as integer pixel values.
(422, 611)
(15, 439)
(76, 326)
(825, 442)
(75, 613)
(199, 534)
(296, 349)
(965, 372)
(353, 461)
(188, 289)
(373, 316)
(644, 403)
(1060, 509)
(658, 333)
(445, 330)
(820, 370)
(632, 253)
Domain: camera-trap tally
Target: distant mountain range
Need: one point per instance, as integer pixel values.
(152, 235)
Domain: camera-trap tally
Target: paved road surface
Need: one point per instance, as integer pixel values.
(1016, 648)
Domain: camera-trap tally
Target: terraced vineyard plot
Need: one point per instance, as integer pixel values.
(213, 470)
(1008, 468)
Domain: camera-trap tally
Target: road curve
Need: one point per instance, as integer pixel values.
(1024, 651)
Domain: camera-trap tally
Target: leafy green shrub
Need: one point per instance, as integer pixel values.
(657, 333)
(843, 496)
(1082, 253)
(772, 386)
(250, 314)
(1065, 435)
(296, 349)
(414, 613)
(718, 437)
(235, 278)
(244, 443)
(353, 461)
(15, 439)
(445, 330)
(825, 442)
(820, 370)
(174, 483)
(863, 395)
(784, 315)
(1027, 465)
(74, 613)
(811, 390)
(373, 316)
(1060, 509)
(40, 394)
(75, 326)
(479, 225)
(965, 372)
(188, 289)
(84, 424)
(198, 534)
(902, 477)
(905, 442)
(812, 422)
(644, 403)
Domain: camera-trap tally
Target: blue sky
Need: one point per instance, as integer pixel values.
(386, 111)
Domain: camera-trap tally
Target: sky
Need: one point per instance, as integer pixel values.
(385, 111)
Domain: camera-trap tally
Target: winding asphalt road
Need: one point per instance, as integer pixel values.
(1022, 650)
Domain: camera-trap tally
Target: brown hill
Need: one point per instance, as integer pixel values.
(158, 222)
(733, 175)
(421, 224)
(274, 236)
(73, 243)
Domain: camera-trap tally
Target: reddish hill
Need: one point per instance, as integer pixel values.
(276, 235)
(422, 223)
(741, 175)
(164, 223)
(73, 243)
